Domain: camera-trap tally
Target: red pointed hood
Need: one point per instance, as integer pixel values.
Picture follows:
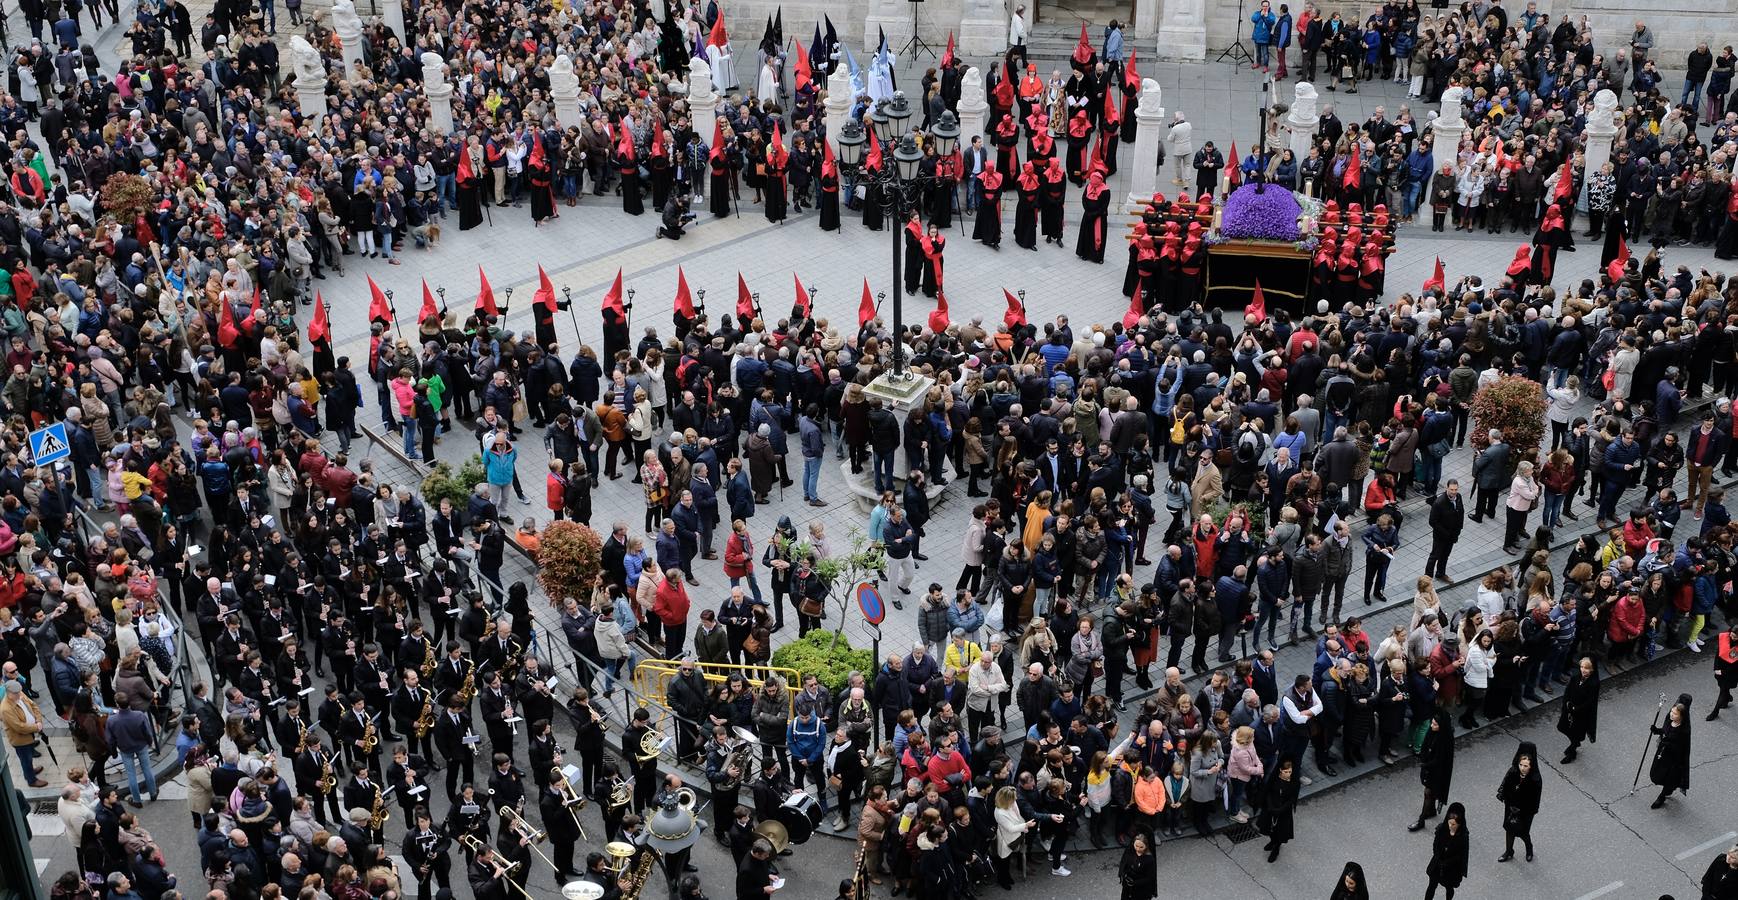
(1082, 47)
(1029, 177)
(829, 165)
(1523, 261)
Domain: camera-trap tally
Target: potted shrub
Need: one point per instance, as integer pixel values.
(1516, 406)
(444, 483)
(825, 655)
(568, 559)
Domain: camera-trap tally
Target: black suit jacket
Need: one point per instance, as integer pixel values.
(1447, 517)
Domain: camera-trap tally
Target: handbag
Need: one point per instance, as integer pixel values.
(1346, 73)
(811, 607)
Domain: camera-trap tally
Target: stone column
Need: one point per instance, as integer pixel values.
(1146, 22)
(1183, 31)
(983, 29)
(564, 93)
(1301, 122)
(1601, 131)
(1448, 129)
(1149, 132)
(310, 72)
(974, 107)
(392, 13)
(348, 26)
(439, 91)
(702, 99)
(838, 104)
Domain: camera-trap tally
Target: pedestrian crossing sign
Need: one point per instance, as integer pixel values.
(49, 444)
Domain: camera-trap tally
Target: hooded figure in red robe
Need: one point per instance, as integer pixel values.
(1132, 274)
(1521, 267)
(1026, 209)
(1007, 141)
(1550, 238)
(1370, 273)
(1095, 210)
(1079, 143)
(1331, 213)
(1050, 199)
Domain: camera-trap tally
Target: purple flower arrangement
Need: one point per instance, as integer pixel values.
(1269, 215)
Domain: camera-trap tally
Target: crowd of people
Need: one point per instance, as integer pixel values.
(1131, 485)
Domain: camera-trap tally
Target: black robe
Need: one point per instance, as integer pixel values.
(632, 203)
(470, 204)
(914, 262)
(941, 200)
(542, 194)
(1671, 765)
(662, 175)
(829, 205)
(1090, 245)
(872, 212)
(1578, 720)
(1026, 218)
(773, 186)
(718, 187)
(934, 269)
(987, 229)
(1050, 198)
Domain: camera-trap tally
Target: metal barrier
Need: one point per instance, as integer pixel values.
(652, 677)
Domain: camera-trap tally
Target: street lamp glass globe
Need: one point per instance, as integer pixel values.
(908, 158)
(947, 134)
(899, 111)
(851, 141)
(882, 123)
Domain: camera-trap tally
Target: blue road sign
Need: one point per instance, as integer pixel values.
(49, 444)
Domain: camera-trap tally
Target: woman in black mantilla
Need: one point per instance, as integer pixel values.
(1351, 885)
(1671, 765)
(1520, 793)
(1436, 766)
(1450, 852)
(1578, 719)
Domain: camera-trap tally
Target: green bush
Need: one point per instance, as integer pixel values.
(825, 655)
(442, 482)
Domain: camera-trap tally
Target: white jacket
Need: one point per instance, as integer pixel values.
(1180, 140)
(1479, 663)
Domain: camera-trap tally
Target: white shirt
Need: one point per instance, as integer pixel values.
(1016, 30)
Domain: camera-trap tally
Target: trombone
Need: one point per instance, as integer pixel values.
(570, 799)
(503, 870)
(528, 835)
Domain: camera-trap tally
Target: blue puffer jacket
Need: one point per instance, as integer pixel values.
(1262, 33)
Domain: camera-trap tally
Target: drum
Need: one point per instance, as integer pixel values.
(800, 814)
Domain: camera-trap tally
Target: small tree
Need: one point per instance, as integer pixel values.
(840, 573)
(126, 196)
(569, 556)
(1515, 406)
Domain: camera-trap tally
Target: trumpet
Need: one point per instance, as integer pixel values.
(379, 815)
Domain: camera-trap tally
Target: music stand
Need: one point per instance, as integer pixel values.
(1237, 53)
(917, 44)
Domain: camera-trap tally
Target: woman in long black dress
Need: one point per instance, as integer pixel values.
(1139, 871)
(1095, 205)
(1436, 766)
(829, 202)
(1671, 765)
(628, 164)
(1520, 793)
(1578, 719)
(1050, 200)
(914, 257)
(1726, 247)
(988, 227)
(470, 181)
(1279, 800)
(718, 182)
(1449, 854)
(934, 243)
(1026, 209)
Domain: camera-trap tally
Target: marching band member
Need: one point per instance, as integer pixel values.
(451, 731)
(426, 851)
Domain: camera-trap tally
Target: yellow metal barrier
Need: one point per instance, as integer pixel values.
(652, 677)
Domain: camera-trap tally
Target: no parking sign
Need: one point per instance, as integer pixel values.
(870, 603)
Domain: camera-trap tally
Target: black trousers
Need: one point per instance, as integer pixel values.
(1486, 504)
(1440, 548)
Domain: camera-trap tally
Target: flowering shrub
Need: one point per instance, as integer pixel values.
(568, 559)
(1269, 215)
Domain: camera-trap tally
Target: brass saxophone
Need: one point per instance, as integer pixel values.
(428, 660)
(468, 689)
(328, 779)
(379, 815)
(301, 741)
(425, 722)
(370, 739)
(637, 878)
